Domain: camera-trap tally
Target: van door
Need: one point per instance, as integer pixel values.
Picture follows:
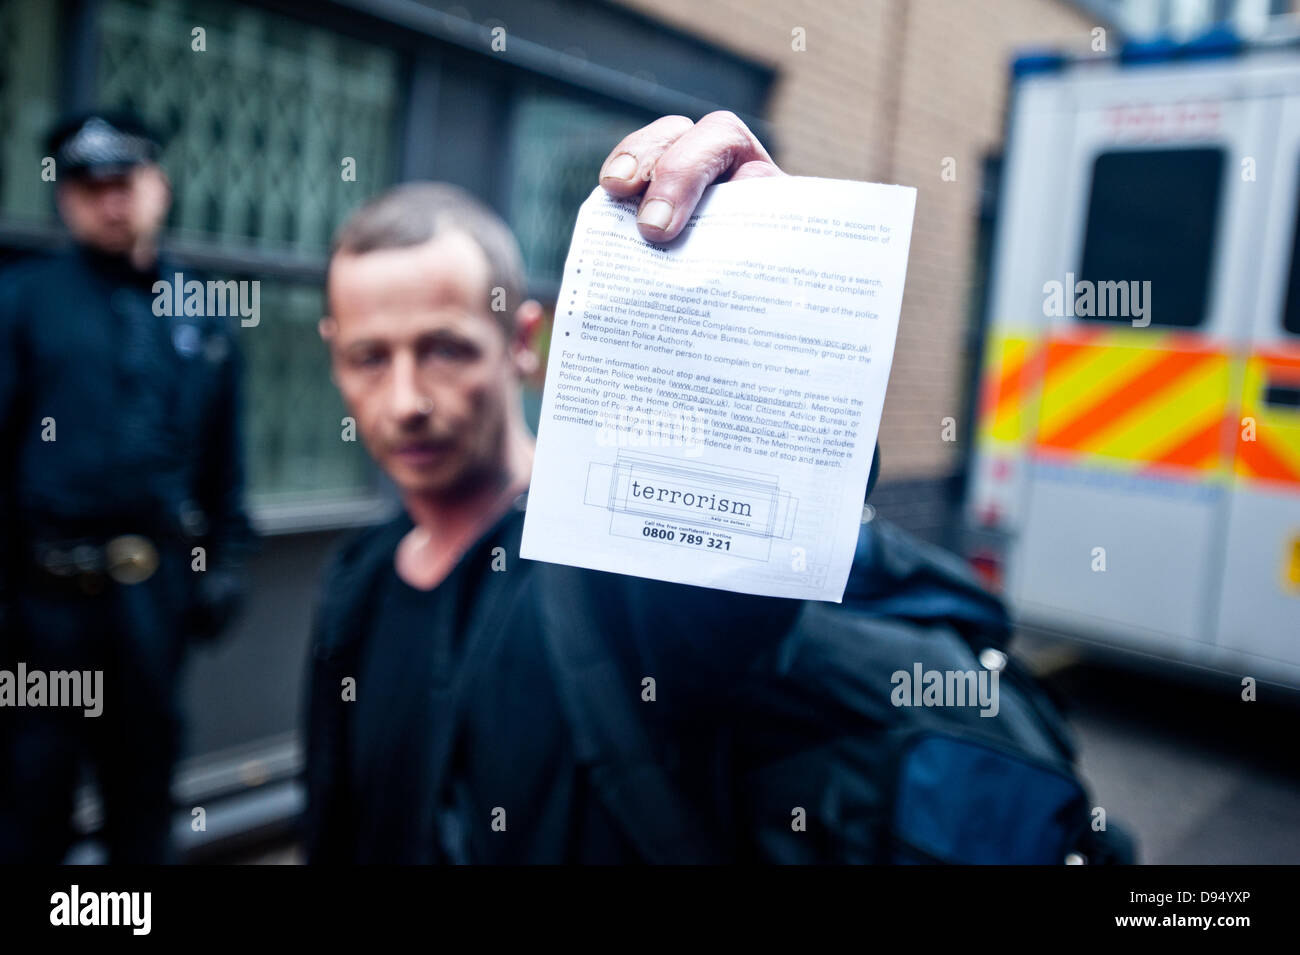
(1131, 452)
(1259, 612)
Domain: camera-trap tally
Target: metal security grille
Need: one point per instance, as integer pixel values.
(559, 144)
(293, 428)
(262, 109)
(262, 123)
(27, 105)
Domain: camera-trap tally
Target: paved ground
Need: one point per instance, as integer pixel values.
(1198, 775)
(278, 855)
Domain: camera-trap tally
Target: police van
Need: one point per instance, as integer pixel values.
(1135, 474)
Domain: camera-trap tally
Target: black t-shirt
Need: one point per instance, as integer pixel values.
(514, 791)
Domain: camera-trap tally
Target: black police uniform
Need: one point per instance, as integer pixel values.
(123, 429)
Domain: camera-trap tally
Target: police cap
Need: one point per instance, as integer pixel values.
(101, 144)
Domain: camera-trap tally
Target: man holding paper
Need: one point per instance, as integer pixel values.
(712, 399)
(470, 704)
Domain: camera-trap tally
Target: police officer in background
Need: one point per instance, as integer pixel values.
(122, 486)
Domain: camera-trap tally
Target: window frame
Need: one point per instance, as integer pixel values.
(1216, 222)
(1289, 313)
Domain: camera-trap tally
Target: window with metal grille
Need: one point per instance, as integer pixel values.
(28, 106)
(559, 143)
(261, 124)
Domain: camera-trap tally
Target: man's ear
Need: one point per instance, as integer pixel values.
(528, 325)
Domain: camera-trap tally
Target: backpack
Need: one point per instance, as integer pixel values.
(893, 783)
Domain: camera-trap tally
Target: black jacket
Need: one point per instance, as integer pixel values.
(751, 695)
(375, 781)
(144, 410)
(776, 734)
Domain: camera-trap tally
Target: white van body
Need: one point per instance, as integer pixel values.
(1136, 477)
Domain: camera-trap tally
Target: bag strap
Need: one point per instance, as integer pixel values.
(611, 740)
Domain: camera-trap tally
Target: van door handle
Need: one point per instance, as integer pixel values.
(1282, 396)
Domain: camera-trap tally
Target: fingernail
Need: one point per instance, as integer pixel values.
(657, 213)
(622, 166)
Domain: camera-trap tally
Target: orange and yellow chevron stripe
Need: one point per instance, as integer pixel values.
(1273, 456)
(1141, 401)
(1144, 401)
(1116, 398)
(1009, 387)
(1002, 386)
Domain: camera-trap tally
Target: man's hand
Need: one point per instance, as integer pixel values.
(673, 159)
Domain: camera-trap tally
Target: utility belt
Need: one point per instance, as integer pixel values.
(89, 565)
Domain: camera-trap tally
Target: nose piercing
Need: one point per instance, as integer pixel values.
(424, 406)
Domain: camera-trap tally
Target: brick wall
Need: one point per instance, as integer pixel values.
(885, 90)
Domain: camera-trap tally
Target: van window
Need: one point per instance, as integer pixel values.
(1291, 310)
(1151, 218)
